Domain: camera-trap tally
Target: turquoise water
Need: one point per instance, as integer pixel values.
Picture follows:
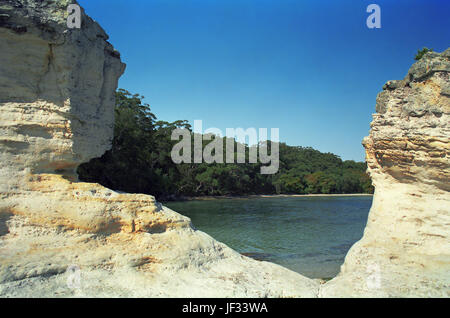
(310, 235)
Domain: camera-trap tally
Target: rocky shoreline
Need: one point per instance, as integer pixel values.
(57, 90)
(256, 196)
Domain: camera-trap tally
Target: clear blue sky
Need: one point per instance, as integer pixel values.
(311, 68)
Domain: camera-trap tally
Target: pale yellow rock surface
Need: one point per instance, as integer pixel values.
(405, 250)
(56, 111)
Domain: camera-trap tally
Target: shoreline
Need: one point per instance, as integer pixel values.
(256, 196)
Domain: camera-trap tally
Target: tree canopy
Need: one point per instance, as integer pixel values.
(140, 162)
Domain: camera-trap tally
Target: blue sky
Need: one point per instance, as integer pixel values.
(310, 68)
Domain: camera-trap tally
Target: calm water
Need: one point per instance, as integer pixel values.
(310, 235)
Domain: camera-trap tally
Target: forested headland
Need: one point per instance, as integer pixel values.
(140, 162)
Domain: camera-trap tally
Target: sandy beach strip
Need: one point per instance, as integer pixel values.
(255, 196)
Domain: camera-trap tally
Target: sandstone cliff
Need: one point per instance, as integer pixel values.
(56, 111)
(405, 250)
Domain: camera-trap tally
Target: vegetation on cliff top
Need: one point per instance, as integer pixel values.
(421, 53)
(140, 162)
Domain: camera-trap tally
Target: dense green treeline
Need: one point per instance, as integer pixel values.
(140, 161)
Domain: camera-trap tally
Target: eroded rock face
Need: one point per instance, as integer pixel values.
(61, 237)
(405, 250)
(56, 89)
(56, 111)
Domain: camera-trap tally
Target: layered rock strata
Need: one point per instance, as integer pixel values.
(405, 250)
(62, 237)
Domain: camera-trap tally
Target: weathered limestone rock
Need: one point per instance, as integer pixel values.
(56, 90)
(56, 111)
(405, 250)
